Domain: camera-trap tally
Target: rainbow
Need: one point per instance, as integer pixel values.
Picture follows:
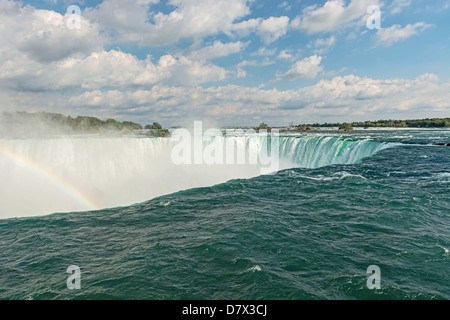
(50, 176)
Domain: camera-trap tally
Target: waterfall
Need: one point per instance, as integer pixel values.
(314, 152)
(43, 176)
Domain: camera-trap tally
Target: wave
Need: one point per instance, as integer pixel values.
(442, 177)
(341, 175)
(43, 176)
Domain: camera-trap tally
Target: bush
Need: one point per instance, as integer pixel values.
(346, 127)
(263, 126)
(155, 126)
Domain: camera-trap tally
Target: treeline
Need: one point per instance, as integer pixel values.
(46, 123)
(421, 123)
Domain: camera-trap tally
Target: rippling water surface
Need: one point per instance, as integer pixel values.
(309, 231)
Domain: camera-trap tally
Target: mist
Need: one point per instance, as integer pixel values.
(44, 176)
(50, 163)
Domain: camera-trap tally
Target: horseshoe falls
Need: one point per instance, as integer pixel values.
(141, 226)
(78, 174)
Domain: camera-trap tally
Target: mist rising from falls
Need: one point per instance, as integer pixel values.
(43, 176)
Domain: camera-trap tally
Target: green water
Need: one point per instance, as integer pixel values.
(302, 233)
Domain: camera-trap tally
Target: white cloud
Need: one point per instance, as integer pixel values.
(285, 5)
(184, 72)
(397, 6)
(217, 50)
(43, 36)
(244, 28)
(241, 73)
(389, 36)
(273, 28)
(324, 42)
(363, 96)
(46, 66)
(40, 53)
(110, 69)
(264, 52)
(333, 15)
(254, 63)
(321, 45)
(285, 55)
(343, 96)
(135, 22)
(125, 20)
(307, 68)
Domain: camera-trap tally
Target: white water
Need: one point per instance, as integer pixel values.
(44, 176)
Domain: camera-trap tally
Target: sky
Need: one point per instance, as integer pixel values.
(231, 62)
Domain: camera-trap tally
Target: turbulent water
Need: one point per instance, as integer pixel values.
(337, 205)
(87, 173)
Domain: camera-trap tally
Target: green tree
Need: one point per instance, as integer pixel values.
(132, 125)
(346, 127)
(263, 126)
(155, 126)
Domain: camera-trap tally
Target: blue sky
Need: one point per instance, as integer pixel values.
(233, 62)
